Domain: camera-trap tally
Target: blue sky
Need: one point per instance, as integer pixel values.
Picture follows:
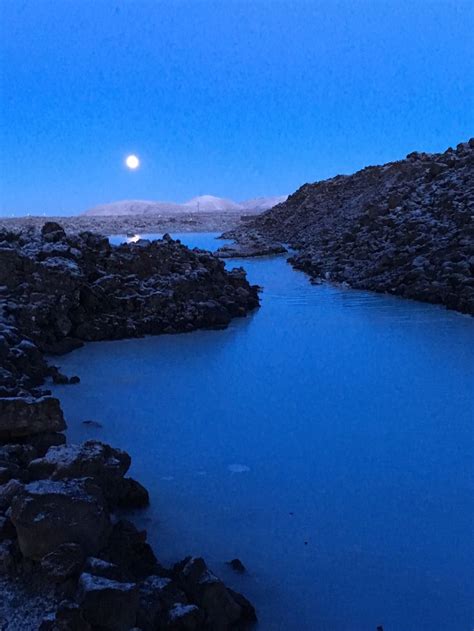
(233, 98)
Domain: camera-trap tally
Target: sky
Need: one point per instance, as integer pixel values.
(232, 98)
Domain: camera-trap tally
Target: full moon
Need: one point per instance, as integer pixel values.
(132, 162)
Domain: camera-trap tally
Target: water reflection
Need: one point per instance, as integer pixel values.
(203, 240)
(134, 238)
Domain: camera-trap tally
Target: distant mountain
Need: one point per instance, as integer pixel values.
(207, 203)
(259, 204)
(134, 207)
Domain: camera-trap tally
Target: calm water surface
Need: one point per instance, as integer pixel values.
(326, 441)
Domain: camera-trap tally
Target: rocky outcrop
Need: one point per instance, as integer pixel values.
(103, 572)
(108, 604)
(404, 228)
(254, 245)
(47, 514)
(57, 501)
(24, 416)
(222, 607)
(22, 366)
(132, 225)
(65, 562)
(62, 290)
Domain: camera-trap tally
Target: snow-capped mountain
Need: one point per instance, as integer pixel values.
(202, 203)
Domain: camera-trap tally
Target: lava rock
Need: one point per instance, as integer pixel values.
(249, 614)
(7, 530)
(8, 556)
(99, 567)
(42, 442)
(49, 513)
(68, 617)
(131, 494)
(237, 566)
(53, 230)
(157, 596)
(23, 416)
(209, 593)
(127, 547)
(404, 228)
(93, 459)
(8, 492)
(182, 617)
(108, 604)
(63, 563)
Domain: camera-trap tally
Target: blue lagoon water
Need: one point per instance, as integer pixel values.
(205, 240)
(326, 440)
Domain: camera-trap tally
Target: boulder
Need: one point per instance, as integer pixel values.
(63, 563)
(63, 346)
(99, 567)
(49, 513)
(24, 416)
(8, 492)
(157, 596)
(237, 566)
(93, 459)
(130, 494)
(53, 230)
(209, 593)
(42, 442)
(108, 604)
(13, 461)
(6, 474)
(68, 617)
(182, 617)
(127, 547)
(7, 530)
(8, 556)
(17, 454)
(249, 615)
(250, 249)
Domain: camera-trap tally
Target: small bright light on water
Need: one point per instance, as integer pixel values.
(132, 162)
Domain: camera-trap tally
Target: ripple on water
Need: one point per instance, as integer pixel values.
(238, 468)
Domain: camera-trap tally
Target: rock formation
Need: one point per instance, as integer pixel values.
(57, 502)
(259, 204)
(404, 228)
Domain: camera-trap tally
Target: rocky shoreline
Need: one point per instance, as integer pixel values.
(405, 228)
(202, 221)
(62, 545)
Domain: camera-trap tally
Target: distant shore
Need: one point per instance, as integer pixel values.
(136, 224)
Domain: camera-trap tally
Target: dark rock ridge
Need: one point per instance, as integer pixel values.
(62, 290)
(253, 245)
(59, 528)
(404, 228)
(190, 221)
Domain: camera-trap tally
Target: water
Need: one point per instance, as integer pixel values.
(325, 440)
(203, 240)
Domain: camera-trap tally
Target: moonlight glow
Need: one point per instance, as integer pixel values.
(132, 162)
